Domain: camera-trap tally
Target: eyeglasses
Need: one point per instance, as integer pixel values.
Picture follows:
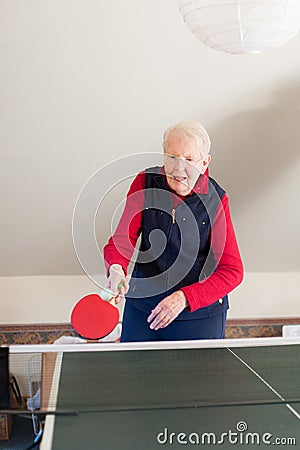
(172, 159)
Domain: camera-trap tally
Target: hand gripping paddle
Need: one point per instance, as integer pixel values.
(94, 317)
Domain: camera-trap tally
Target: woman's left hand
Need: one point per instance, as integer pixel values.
(167, 310)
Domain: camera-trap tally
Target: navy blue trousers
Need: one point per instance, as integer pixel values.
(136, 328)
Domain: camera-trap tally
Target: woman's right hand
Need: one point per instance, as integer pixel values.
(116, 279)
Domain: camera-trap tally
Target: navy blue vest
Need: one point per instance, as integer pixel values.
(175, 245)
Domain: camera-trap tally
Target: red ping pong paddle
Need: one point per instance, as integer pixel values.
(93, 318)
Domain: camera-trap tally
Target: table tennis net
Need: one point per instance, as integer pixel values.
(137, 379)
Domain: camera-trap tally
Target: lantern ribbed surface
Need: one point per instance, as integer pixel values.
(242, 26)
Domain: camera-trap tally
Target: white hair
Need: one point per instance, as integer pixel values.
(192, 130)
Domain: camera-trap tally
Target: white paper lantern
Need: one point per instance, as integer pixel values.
(242, 26)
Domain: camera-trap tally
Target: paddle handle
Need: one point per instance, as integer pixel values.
(110, 296)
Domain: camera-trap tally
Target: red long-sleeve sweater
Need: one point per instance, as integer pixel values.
(229, 271)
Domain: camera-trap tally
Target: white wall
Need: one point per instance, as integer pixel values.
(50, 299)
(86, 82)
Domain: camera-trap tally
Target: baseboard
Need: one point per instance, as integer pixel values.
(46, 333)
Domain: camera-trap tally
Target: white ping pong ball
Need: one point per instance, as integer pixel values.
(106, 294)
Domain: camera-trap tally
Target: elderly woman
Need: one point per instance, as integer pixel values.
(188, 259)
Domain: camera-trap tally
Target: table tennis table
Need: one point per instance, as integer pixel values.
(232, 393)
